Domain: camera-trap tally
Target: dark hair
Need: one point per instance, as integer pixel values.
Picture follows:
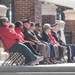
(2, 21)
(38, 25)
(32, 24)
(18, 24)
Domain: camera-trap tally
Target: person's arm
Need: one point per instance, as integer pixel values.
(12, 34)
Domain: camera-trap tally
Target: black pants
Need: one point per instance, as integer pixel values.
(31, 47)
(60, 48)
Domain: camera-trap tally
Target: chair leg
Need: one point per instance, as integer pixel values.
(15, 58)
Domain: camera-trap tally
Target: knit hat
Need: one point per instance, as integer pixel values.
(46, 26)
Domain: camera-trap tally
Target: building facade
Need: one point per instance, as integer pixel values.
(42, 12)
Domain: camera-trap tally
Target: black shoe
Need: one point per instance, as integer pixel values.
(70, 61)
(43, 62)
(48, 61)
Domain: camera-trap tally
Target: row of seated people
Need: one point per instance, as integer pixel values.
(25, 37)
(47, 45)
(57, 48)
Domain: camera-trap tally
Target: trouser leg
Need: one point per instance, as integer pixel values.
(56, 51)
(24, 50)
(48, 51)
(52, 52)
(42, 49)
(60, 51)
(69, 53)
(31, 48)
(35, 47)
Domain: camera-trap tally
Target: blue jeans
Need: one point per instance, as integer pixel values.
(52, 52)
(72, 46)
(72, 50)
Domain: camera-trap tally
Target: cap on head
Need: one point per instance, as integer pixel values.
(26, 21)
(54, 25)
(38, 25)
(46, 26)
(32, 24)
(18, 23)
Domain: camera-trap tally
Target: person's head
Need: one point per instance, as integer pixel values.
(26, 23)
(38, 27)
(4, 21)
(12, 26)
(19, 24)
(47, 27)
(32, 25)
(54, 27)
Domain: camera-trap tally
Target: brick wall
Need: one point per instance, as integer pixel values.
(70, 27)
(38, 11)
(28, 9)
(48, 19)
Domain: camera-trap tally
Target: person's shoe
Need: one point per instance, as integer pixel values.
(36, 61)
(43, 62)
(63, 60)
(53, 61)
(70, 61)
(48, 62)
(59, 60)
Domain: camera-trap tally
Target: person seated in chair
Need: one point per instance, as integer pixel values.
(37, 31)
(48, 37)
(70, 47)
(12, 42)
(30, 36)
(29, 44)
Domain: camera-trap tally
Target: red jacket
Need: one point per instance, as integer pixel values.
(52, 39)
(19, 31)
(9, 36)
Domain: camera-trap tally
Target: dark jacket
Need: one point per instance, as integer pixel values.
(45, 37)
(30, 36)
(57, 37)
(39, 36)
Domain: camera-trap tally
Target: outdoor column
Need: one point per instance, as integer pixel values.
(28, 9)
(70, 23)
(3, 11)
(48, 13)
